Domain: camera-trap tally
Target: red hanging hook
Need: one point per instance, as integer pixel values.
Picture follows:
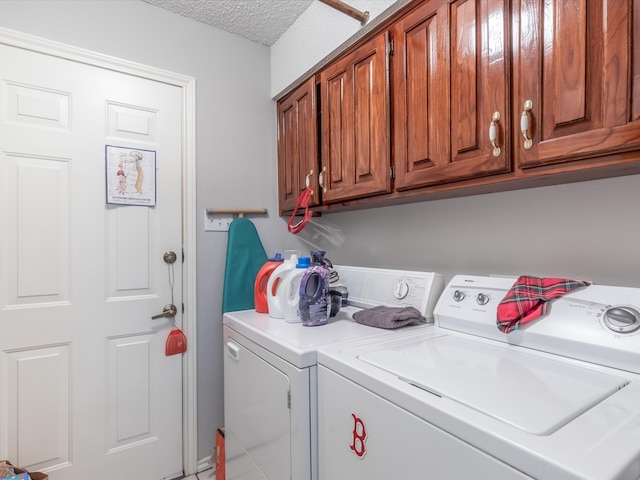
(302, 202)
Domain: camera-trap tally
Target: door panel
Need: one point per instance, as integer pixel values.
(128, 262)
(83, 373)
(356, 146)
(479, 75)
(38, 379)
(575, 65)
(38, 263)
(451, 72)
(130, 410)
(298, 146)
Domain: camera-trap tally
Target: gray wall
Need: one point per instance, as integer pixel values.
(236, 136)
(585, 231)
(315, 34)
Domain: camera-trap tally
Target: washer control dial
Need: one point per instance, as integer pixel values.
(482, 299)
(401, 290)
(622, 319)
(458, 295)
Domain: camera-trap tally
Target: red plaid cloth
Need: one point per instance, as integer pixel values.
(528, 297)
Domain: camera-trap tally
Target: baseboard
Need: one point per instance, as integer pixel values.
(205, 464)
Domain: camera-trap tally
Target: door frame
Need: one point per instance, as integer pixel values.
(187, 84)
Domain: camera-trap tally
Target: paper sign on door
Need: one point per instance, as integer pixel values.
(131, 176)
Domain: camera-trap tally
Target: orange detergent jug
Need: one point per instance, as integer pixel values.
(262, 278)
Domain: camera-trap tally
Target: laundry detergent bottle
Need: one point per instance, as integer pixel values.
(315, 299)
(291, 290)
(262, 278)
(276, 296)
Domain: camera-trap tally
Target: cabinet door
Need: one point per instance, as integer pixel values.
(450, 77)
(575, 63)
(355, 124)
(297, 145)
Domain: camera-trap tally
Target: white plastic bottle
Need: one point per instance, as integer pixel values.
(275, 286)
(292, 290)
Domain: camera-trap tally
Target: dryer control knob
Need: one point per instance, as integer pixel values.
(622, 319)
(401, 290)
(458, 295)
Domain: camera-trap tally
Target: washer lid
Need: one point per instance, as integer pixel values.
(533, 392)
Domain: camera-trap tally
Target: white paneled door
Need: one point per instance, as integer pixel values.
(86, 389)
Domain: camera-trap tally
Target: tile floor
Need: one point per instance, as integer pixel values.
(204, 475)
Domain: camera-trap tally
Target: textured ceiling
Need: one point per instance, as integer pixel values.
(262, 21)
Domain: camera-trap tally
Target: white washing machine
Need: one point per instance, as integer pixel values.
(557, 399)
(270, 373)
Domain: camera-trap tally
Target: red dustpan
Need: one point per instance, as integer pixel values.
(176, 342)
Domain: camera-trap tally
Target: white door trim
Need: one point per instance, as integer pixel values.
(49, 47)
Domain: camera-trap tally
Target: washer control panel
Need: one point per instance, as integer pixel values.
(599, 324)
(481, 298)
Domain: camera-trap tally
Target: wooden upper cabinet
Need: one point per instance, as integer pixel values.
(451, 75)
(577, 72)
(475, 92)
(297, 145)
(355, 124)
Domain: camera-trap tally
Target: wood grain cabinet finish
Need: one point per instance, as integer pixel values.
(355, 123)
(450, 76)
(298, 146)
(486, 95)
(577, 67)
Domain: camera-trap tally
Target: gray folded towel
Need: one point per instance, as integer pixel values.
(388, 317)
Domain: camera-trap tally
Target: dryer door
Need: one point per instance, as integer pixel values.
(257, 416)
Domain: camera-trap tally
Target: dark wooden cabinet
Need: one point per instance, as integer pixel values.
(577, 82)
(451, 74)
(355, 120)
(454, 96)
(298, 146)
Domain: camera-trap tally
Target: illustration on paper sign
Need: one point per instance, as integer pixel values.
(131, 176)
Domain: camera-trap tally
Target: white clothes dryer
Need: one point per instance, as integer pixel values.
(270, 372)
(558, 399)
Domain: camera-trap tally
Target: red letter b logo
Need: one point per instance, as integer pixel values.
(359, 435)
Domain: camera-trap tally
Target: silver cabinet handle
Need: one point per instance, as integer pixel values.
(524, 124)
(168, 311)
(321, 179)
(493, 133)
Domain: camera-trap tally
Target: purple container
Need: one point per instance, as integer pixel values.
(315, 299)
